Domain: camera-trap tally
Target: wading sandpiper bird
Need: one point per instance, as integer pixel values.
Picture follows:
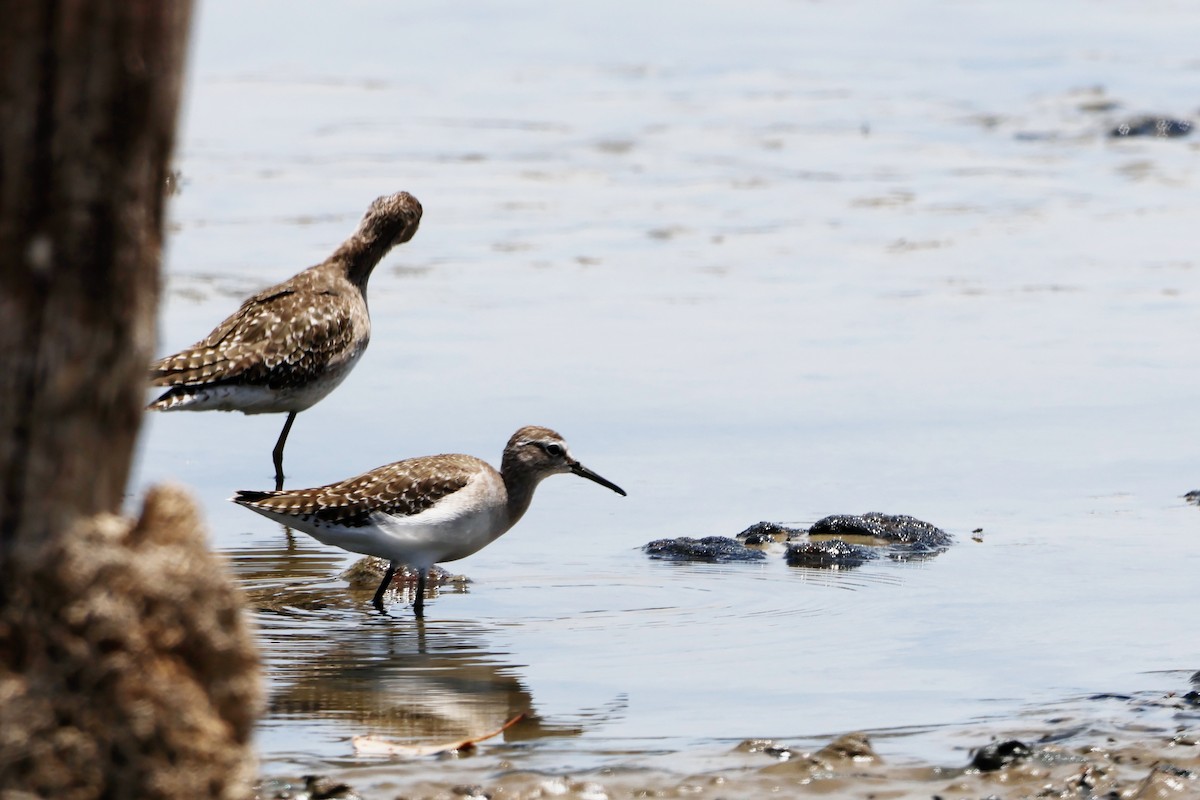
(424, 511)
(291, 344)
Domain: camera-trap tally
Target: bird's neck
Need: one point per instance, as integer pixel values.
(519, 485)
(359, 254)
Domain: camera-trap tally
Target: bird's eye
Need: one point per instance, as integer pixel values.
(555, 450)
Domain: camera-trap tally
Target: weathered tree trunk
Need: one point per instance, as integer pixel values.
(126, 669)
(89, 93)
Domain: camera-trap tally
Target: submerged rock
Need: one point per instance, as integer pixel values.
(854, 747)
(906, 537)
(899, 537)
(851, 751)
(711, 548)
(899, 529)
(1159, 127)
(768, 532)
(368, 571)
(997, 755)
(824, 545)
(829, 553)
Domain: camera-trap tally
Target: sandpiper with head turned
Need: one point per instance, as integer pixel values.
(291, 344)
(424, 511)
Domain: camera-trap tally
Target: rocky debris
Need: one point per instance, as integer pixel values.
(898, 529)
(1136, 746)
(762, 533)
(824, 545)
(1168, 780)
(997, 755)
(832, 553)
(1154, 126)
(310, 787)
(854, 747)
(899, 537)
(367, 572)
(845, 752)
(713, 549)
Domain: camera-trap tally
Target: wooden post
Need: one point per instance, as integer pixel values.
(89, 94)
(126, 668)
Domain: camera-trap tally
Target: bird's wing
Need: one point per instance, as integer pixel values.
(278, 338)
(402, 489)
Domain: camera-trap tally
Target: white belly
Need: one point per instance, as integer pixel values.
(260, 399)
(459, 525)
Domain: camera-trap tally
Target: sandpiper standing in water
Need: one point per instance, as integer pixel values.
(291, 344)
(424, 511)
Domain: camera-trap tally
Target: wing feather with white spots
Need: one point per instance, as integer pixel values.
(402, 489)
(279, 338)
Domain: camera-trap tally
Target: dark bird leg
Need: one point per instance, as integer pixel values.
(277, 453)
(383, 585)
(419, 602)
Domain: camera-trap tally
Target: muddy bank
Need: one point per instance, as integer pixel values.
(1100, 746)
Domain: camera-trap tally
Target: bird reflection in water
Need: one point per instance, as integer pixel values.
(426, 683)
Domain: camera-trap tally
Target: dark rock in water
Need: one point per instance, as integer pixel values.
(310, 787)
(829, 553)
(997, 755)
(1125, 698)
(1193, 497)
(1160, 127)
(320, 787)
(899, 537)
(767, 533)
(913, 534)
(710, 548)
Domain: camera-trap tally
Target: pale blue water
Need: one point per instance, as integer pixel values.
(764, 261)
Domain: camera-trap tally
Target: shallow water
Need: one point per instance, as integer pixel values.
(756, 262)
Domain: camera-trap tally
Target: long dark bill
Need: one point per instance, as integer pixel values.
(584, 472)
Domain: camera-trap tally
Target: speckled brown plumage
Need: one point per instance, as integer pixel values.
(401, 489)
(424, 511)
(297, 339)
(285, 337)
(291, 344)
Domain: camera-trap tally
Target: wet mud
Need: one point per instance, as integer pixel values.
(1104, 746)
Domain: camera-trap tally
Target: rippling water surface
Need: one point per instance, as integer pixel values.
(756, 261)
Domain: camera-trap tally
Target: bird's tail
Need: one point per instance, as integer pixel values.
(175, 397)
(250, 495)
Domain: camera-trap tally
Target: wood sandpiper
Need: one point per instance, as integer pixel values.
(291, 344)
(424, 511)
